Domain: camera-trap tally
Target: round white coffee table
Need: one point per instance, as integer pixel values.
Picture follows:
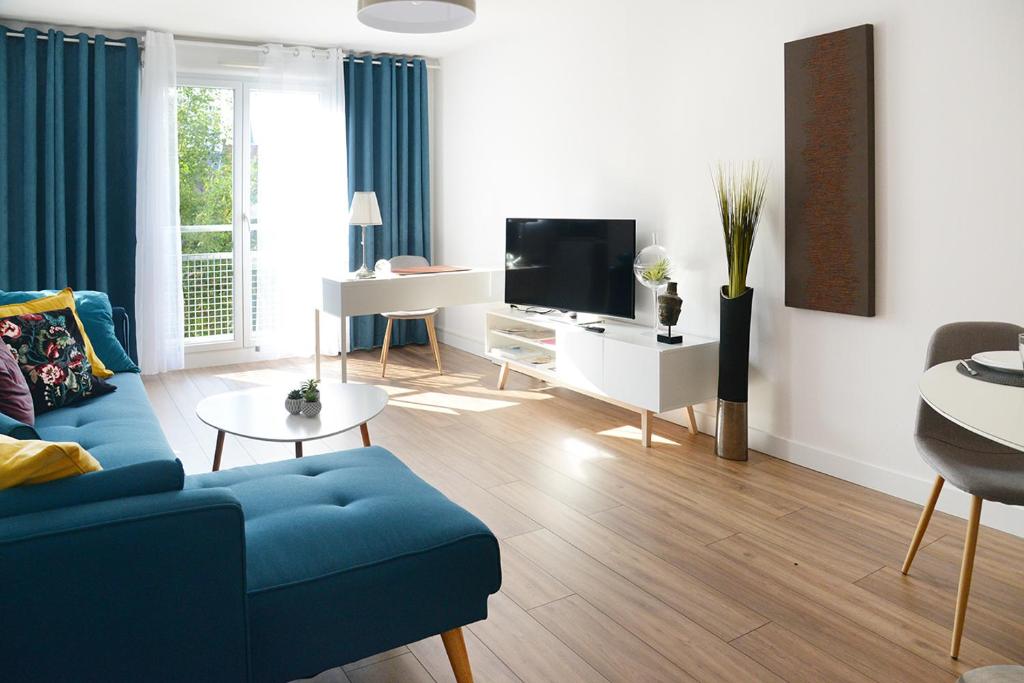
(260, 414)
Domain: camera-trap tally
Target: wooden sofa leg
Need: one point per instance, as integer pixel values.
(455, 646)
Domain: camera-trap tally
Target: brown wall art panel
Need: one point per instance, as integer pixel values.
(830, 172)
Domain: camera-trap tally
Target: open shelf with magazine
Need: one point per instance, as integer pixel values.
(523, 345)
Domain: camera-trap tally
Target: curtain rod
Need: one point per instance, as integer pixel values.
(69, 39)
(262, 47)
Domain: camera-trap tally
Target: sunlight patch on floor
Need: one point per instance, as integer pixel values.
(508, 393)
(633, 433)
(392, 390)
(266, 377)
(470, 404)
(579, 453)
(421, 406)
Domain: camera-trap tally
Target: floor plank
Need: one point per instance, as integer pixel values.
(532, 651)
(692, 648)
(704, 605)
(611, 649)
(793, 658)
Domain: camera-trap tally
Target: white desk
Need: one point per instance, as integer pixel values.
(345, 296)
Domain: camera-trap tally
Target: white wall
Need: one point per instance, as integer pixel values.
(617, 109)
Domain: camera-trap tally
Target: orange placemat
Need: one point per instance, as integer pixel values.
(422, 270)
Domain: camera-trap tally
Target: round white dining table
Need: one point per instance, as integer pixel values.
(994, 411)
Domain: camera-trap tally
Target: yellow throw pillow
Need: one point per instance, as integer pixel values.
(36, 462)
(62, 299)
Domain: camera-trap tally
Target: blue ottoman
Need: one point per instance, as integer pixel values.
(349, 554)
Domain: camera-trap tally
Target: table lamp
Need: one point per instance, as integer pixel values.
(364, 212)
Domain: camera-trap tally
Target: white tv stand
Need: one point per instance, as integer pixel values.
(625, 365)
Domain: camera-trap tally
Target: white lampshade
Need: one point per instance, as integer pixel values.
(365, 210)
(417, 16)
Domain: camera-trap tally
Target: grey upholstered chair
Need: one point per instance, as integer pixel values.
(972, 463)
(426, 315)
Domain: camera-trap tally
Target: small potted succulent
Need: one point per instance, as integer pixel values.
(311, 398)
(293, 404)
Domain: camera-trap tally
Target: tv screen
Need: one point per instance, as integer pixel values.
(575, 265)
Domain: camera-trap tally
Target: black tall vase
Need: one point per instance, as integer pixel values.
(733, 366)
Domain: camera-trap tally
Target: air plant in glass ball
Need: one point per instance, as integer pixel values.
(652, 269)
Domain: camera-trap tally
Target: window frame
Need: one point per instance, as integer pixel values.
(242, 277)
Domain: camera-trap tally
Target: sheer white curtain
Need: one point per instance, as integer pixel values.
(159, 328)
(298, 137)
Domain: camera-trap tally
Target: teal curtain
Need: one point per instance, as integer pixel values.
(68, 139)
(388, 152)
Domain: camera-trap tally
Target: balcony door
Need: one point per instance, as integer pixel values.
(240, 138)
(215, 205)
(218, 169)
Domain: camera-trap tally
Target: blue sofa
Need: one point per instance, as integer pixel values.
(265, 573)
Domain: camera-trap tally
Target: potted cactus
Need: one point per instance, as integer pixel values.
(293, 404)
(311, 398)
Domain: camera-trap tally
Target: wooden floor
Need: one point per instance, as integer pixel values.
(628, 564)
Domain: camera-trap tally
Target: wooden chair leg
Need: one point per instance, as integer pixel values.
(385, 347)
(922, 524)
(455, 646)
(966, 570)
(432, 334)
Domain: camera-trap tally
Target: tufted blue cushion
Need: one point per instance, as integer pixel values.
(349, 554)
(117, 429)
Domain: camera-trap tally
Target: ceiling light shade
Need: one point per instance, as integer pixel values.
(417, 16)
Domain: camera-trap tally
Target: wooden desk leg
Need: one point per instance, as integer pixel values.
(646, 417)
(503, 376)
(298, 449)
(364, 432)
(218, 451)
(692, 418)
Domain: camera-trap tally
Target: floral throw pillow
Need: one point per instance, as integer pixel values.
(51, 353)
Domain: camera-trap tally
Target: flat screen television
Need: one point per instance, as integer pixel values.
(579, 265)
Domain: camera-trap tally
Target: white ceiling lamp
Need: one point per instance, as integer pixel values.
(417, 16)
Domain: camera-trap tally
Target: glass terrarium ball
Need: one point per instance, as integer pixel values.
(652, 266)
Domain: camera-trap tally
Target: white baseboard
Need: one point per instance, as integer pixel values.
(467, 344)
(216, 357)
(899, 484)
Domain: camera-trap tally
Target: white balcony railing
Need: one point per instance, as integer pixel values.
(208, 284)
(207, 281)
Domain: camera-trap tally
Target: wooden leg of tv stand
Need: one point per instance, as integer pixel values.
(503, 376)
(692, 418)
(646, 418)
